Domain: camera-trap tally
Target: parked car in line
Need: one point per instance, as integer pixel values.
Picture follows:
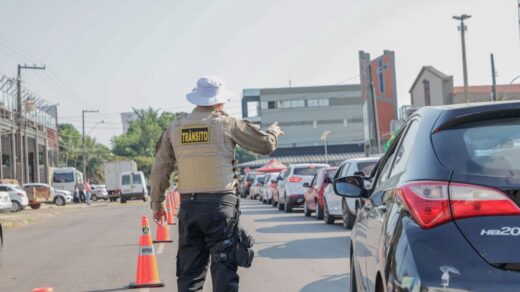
(5, 202)
(99, 192)
(43, 193)
(443, 210)
(269, 185)
(17, 195)
(245, 185)
(336, 207)
(275, 192)
(315, 189)
(291, 190)
(256, 187)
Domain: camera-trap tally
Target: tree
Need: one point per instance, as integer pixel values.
(139, 142)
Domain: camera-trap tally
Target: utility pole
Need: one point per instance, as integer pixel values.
(21, 149)
(494, 78)
(83, 141)
(462, 29)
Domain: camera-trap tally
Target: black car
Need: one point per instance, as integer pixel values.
(443, 212)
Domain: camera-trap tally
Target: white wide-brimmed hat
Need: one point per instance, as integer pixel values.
(209, 91)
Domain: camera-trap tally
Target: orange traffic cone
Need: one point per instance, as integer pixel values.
(169, 212)
(147, 273)
(162, 234)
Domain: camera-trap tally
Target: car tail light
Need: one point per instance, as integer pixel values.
(471, 201)
(433, 203)
(295, 179)
(427, 202)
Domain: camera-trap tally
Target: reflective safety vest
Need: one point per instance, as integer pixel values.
(204, 158)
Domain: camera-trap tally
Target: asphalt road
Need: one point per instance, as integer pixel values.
(95, 249)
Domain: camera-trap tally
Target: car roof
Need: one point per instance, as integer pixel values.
(363, 159)
(35, 184)
(308, 165)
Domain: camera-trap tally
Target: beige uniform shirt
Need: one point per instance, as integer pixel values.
(236, 131)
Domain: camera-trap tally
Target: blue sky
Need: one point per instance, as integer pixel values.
(117, 54)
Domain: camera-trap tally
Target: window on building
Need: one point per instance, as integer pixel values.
(271, 104)
(6, 160)
(312, 103)
(427, 93)
(297, 103)
(263, 105)
(324, 102)
(381, 75)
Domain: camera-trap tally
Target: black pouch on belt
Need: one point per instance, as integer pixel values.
(242, 252)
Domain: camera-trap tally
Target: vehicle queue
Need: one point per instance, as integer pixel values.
(439, 210)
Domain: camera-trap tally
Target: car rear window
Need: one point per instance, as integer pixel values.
(366, 167)
(489, 147)
(260, 178)
(250, 177)
(306, 170)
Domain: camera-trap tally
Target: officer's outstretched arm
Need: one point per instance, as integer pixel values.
(162, 168)
(251, 138)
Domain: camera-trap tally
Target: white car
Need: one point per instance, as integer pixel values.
(267, 189)
(256, 187)
(17, 195)
(336, 207)
(99, 192)
(62, 197)
(290, 188)
(5, 202)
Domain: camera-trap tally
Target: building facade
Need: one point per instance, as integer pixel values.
(305, 113)
(126, 119)
(432, 87)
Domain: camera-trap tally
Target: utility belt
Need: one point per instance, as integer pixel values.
(226, 198)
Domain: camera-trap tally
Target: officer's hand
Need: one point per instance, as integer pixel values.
(275, 129)
(160, 217)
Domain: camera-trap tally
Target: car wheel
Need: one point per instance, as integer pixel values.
(269, 201)
(353, 281)
(347, 217)
(306, 210)
(287, 206)
(123, 201)
(59, 201)
(273, 202)
(35, 206)
(94, 198)
(319, 210)
(281, 206)
(329, 219)
(16, 206)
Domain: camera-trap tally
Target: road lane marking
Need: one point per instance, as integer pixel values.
(144, 290)
(160, 248)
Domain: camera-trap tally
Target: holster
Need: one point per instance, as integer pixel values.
(243, 253)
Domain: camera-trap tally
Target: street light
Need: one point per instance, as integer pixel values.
(324, 138)
(462, 29)
(95, 125)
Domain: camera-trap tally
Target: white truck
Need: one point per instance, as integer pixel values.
(124, 181)
(69, 179)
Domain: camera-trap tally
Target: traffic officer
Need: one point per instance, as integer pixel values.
(201, 145)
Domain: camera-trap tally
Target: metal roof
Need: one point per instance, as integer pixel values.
(318, 158)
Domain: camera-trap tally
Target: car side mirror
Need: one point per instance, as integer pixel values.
(349, 186)
(274, 181)
(327, 180)
(306, 185)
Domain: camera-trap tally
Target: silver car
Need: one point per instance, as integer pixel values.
(99, 192)
(17, 195)
(336, 207)
(290, 188)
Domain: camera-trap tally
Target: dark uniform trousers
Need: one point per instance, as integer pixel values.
(203, 225)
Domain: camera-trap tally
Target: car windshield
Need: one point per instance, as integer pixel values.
(260, 178)
(306, 170)
(366, 166)
(64, 177)
(489, 147)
